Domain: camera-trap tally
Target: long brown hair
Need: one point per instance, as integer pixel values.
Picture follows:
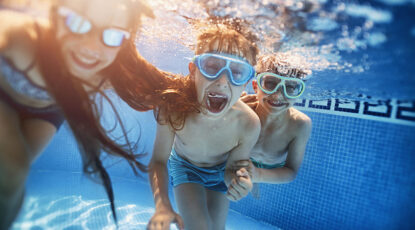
(80, 109)
(144, 87)
(172, 96)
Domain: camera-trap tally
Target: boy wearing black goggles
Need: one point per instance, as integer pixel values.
(202, 155)
(277, 156)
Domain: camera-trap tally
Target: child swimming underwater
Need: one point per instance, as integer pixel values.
(202, 154)
(48, 71)
(279, 151)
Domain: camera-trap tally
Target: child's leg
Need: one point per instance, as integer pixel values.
(218, 206)
(191, 202)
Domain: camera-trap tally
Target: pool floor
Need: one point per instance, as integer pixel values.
(65, 200)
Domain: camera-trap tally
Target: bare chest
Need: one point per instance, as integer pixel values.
(206, 143)
(272, 145)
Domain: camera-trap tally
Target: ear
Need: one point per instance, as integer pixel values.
(255, 85)
(192, 68)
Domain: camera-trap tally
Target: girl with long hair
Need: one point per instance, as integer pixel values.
(49, 71)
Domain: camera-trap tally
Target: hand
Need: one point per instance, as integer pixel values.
(250, 99)
(161, 220)
(242, 164)
(252, 170)
(240, 185)
(231, 171)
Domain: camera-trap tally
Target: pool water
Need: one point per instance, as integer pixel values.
(59, 196)
(359, 167)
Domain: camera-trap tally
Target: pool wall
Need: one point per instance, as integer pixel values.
(358, 173)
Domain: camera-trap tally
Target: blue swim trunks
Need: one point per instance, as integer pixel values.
(266, 166)
(182, 171)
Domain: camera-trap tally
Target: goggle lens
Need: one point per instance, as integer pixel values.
(240, 71)
(293, 88)
(212, 65)
(78, 24)
(269, 83)
(113, 37)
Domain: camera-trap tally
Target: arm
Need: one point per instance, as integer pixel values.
(296, 150)
(237, 177)
(250, 99)
(158, 175)
(17, 31)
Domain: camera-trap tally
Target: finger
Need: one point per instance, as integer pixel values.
(249, 98)
(243, 93)
(230, 196)
(242, 172)
(230, 193)
(240, 189)
(234, 192)
(246, 183)
(241, 184)
(252, 105)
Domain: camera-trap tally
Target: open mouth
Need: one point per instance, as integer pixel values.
(276, 103)
(84, 62)
(216, 102)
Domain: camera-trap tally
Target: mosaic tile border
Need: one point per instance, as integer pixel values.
(391, 111)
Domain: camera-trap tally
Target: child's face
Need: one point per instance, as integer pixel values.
(275, 103)
(86, 54)
(216, 96)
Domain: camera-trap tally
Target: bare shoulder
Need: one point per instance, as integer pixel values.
(247, 118)
(173, 121)
(301, 121)
(18, 32)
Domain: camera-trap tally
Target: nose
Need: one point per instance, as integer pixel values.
(279, 93)
(91, 45)
(223, 81)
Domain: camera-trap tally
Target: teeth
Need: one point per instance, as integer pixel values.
(277, 102)
(216, 102)
(86, 60)
(215, 95)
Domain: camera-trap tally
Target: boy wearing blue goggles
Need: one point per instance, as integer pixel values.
(285, 131)
(203, 153)
(212, 65)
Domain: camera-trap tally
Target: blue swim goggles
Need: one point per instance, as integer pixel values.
(212, 65)
(269, 83)
(78, 24)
